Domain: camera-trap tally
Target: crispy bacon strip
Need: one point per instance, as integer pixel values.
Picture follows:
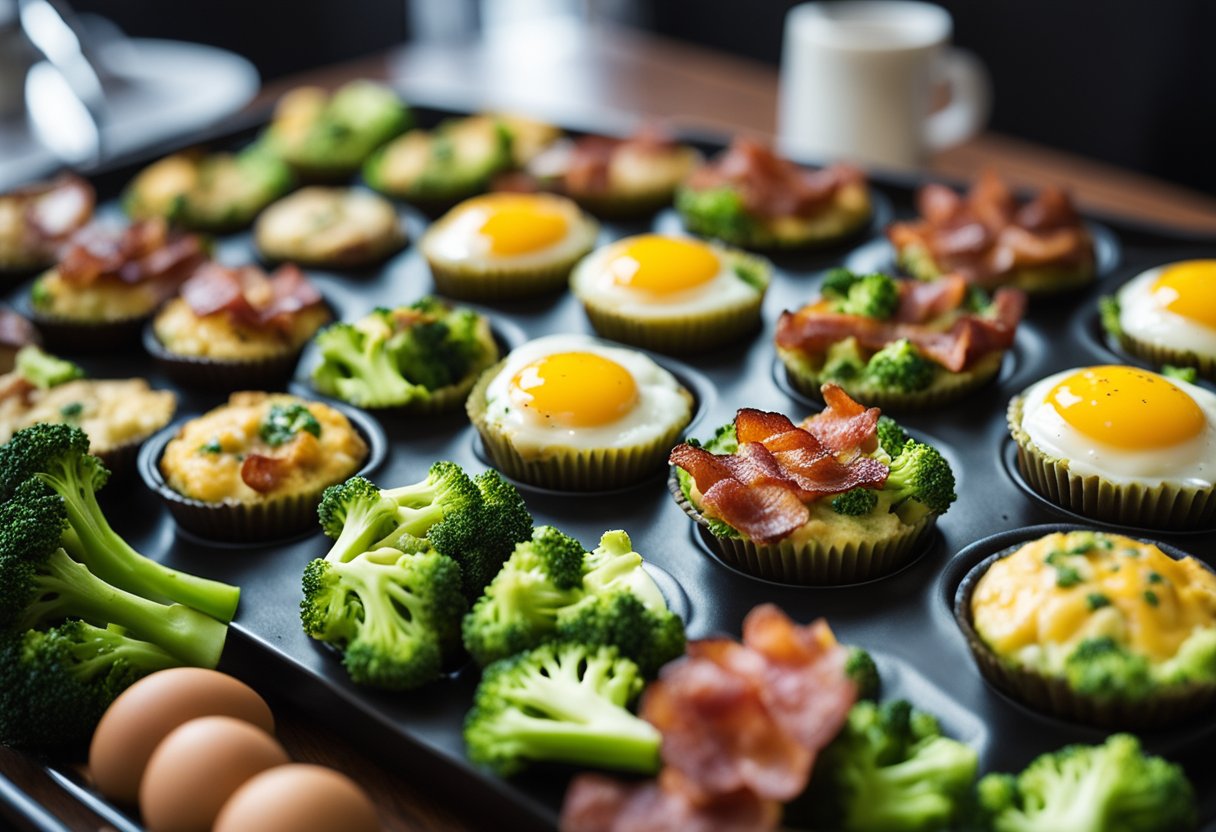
(595, 803)
(769, 185)
(145, 251)
(590, 161)
(251, 297)
(845, 426)
(923, 300)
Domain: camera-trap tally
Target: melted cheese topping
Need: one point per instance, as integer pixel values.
(183, 332)
(1064, 588)
(112, 413)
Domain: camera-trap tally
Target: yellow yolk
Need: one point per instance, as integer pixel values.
(1189, 289)
(575, 389)
(1127, 408)
(663, 265)
(1050, 593)
(518, 224)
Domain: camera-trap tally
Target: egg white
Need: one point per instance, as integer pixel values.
(662, 402)
(1144, 316)
(593, 282)
(1191, 463)
(456, 238)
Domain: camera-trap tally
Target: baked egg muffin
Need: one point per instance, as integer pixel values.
(507, 245)
(37, 219)
(330, 228)
(575, 413)
(1120, 445)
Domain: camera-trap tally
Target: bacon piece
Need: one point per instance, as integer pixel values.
(1050, 209)
(765, 513)
(57, 208)
(596, 803)
(145, 251)
(263, 473)
(15, 330)
(590, 161)
(758, 425)
(844, 425)
(924, 300)
(249, 296)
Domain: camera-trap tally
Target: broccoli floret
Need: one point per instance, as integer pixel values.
(899, 366)
(861, 669)
(45, 371)
(561, 702)
(482, 541)
(872, 295)
(394, 614)
(1195, 660)
(357, 366)
(715, 212)
(891, 436)
(1100, 667)
(837, 283)
(56, 684)
(57, 455)
(520, 606)
(1090, 788)
(1188, 374)
(843, 361)
(355, 514)
(919, 472)
(1108, 309)
(441, 346)
(439, 507)
(890, 770)
(284, 421)
(857, 502)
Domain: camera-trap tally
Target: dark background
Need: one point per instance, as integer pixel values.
(1126, 81)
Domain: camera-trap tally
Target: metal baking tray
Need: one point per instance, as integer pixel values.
(905, 620)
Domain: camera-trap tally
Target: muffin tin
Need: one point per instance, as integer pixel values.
(905, 619)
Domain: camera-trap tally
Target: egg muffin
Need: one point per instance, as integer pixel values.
(239, 326)
(1167, 315)
(993, 239)
(844, 496)
(255, 467)
(500, 246)
(108, 281)
(421, 358)
(323, 136)
(208, 192)
(671, 294)
(898, 344)
(1120, 445)
(117, 414)
(574, 413)
(1095, 627)
(330, 228)
(750, 197)
(37, 219)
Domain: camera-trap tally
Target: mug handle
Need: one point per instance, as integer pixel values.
(970, 101)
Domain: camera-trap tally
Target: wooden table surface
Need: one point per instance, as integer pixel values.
(605, 72)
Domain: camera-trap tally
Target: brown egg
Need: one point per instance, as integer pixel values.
(146, 712)
(298, 798)
(195, 769)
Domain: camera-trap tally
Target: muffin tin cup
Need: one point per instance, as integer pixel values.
(219, 373)
(76, 336)
(1158, 355)
(949, 387)
(810, 563)
(1036, 281)
(624, 206)
(1166, 506)
(237, 522)
(1052, 695)
(500, 284)
(678, 335)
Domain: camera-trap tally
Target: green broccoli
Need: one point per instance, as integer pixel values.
(520, 606)
(890, 770)
(56, 684)
(1108, 309)
(283, 422)
(1090, 788)
(57, 455)
(857, 502)
(860, 667)
(1100, 667)
(394, 614)
(716, 212)
(919, 472)
(482, 542)
(1195, 660)
(357, 366)
(622, 606)
(561, 702)
(900, 367)
(43, 370)
(843, 361)
(1188, 374)
(356, 514)
(872, 295)
(891, 436)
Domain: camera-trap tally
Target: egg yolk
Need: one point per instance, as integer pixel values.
(1127, 408)
(1189, 289)
(663, 265)
(575, 389)
(517, 224)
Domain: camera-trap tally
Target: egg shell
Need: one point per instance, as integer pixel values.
(298, 797)
(195, 769)
(146, 712)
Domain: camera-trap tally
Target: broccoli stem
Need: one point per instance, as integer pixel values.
(69, 588)
(103, 647)
(113, 560)
(604, 741)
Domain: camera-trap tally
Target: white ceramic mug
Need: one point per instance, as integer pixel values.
(858, 79)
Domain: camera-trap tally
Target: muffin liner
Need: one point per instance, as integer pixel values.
(570, 469)
(810, 563)
(1052, 694)
(61, 334)
(624, 206)
(1165, 506)
(677, 334)
(1159, 355)
(501, 283)
(219, 373)
(948, 387)
(368, 253)
(238, 522)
